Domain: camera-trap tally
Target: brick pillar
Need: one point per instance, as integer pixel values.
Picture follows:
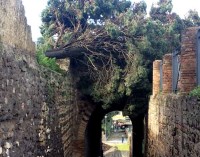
(156, 76)
(188, 60)
(167, 73)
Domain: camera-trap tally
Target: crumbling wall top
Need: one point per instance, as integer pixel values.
(14, 30)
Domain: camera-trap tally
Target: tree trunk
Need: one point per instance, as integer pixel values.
(65, 53)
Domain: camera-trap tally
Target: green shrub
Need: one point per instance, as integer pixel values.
(47, 62)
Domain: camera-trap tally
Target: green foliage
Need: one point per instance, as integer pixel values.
(45, 61)
(195, 92)
(161, 10)
(113, 30)
(139, 8)
(107, 122)
(113, 90)
(122, 147)
(106, 9)
(126, 73)
(192, 19)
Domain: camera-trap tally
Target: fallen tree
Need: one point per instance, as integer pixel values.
(111, 45)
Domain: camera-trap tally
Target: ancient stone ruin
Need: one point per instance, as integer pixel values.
(43, 114)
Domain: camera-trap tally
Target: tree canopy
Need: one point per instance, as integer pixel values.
(111, 45)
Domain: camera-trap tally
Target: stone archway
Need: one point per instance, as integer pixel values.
(93, 134)
(85, 110)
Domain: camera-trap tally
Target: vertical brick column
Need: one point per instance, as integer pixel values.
(167, 73)
(188, 60)
(156, 76)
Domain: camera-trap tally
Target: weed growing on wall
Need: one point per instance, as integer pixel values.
(45, 61)
(195, 92)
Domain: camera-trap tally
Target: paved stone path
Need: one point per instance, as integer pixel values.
(113, 152)
(115, 138)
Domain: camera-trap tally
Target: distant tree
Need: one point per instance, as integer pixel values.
(166, 26)
(161, 11)
(66, 20)
(192, 19)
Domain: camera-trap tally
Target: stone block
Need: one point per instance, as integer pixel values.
(180, 136)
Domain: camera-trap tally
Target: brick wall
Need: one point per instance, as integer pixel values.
(173, 126)
(165, 67)
(188, 60)
(167, 73)
(156, 76)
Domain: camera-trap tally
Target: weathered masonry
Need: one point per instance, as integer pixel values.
(40, 110)
(42, 114)
(174, 119)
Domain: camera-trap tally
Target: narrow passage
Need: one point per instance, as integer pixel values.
(115, 146)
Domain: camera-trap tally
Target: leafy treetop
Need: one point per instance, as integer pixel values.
(111, 45)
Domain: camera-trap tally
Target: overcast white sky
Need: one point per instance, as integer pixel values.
(33, 9)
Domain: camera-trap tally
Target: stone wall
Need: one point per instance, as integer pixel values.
(39, 108)
(13, 26)
(174, 120)
(36, 108)
(173, 126)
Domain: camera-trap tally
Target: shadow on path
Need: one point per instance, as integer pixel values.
(115, 140)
